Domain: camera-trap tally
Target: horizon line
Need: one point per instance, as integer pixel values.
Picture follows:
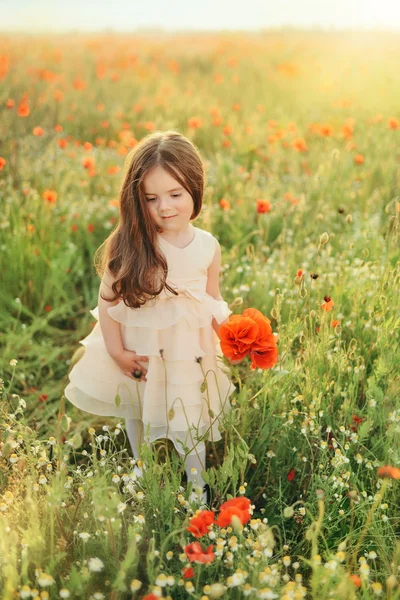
(164, 30)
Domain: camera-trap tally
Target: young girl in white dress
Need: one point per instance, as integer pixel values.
(154, 356)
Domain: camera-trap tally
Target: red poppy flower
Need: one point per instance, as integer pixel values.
(195, 553)
(187, 572)
(200, 524)
(251, 333)
(290, 476)
(328, 304)
(235, 506)
(388, 471)
(263, 206)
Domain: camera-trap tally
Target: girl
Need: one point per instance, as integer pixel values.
(153, 356)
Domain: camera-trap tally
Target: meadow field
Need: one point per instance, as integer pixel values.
(300, 134)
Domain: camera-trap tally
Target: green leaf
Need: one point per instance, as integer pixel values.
(364, 430)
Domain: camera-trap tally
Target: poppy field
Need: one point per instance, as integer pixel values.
(300, 136)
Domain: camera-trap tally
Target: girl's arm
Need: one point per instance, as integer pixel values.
(109, 327)
(213, 288)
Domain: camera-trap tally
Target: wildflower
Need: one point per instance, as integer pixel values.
(88, 162)
(290, 475)
(25, 591)
(2, 162)
(328, 304)
(376, 587)
(236, 506)
(266, 593)
(195, 553)
(121, 507)
(194, 123)
(225, 204)
(200, 524)
(139, 519)
(64, 593)
(84, 536)
(389, 472)
(299, 278)
(359, 159)
(237, 578)
(187, 572)
(23, 109)
(135, 585)
(50, 196)
(45, 580)
(356, 580)
(95, 564)
(161, 580)
(13, 362)
(299, 144)
(263, 206)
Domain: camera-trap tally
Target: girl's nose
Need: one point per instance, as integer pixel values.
(164, 204)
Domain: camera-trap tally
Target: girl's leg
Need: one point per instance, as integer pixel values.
(134, 431)
(197, 462)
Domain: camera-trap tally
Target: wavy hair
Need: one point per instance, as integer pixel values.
(130, 252)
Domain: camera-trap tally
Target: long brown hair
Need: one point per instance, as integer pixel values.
(130, 252)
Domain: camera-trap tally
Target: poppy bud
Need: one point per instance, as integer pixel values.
(216, 590)
(237, 524)
(237, 302)
(288, 512)
(391, 582)
(312, 314)
(324, 238)
(349, 219)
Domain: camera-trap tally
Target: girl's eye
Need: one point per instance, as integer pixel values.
(173, 195)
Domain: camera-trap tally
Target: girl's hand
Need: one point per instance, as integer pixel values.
(128, 361)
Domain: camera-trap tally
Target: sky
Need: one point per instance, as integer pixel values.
(212, 15)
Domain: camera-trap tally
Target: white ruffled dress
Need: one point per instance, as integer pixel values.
(173, 402)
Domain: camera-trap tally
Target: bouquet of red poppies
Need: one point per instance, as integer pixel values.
(249, 333)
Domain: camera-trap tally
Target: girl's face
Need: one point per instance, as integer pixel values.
(166, 197)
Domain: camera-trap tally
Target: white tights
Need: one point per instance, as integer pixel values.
(134, 429)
